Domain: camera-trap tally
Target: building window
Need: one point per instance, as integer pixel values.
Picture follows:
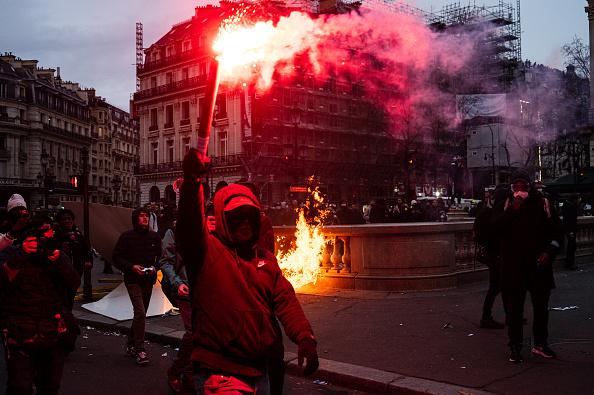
(186, 46)
(185, 73)
(170, 150)
(2, 141)
(153, 124)
(169, 51)
(222, 143)
(169, 78)
(153, 82)
(185, 112)
(3, 89)
(155, 148)
(169, 116)
(186, 143)
(221, 106)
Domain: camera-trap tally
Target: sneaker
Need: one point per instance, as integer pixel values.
(544, 352)
(142, 358)
(130, 350)
(516, 355)
(490, 323)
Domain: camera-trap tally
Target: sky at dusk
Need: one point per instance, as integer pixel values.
(93, 42)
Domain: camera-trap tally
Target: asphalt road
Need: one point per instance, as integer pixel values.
(100, 367)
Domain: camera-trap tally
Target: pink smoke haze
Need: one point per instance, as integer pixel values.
(393, 56)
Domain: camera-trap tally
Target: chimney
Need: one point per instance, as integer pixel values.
(58, 72)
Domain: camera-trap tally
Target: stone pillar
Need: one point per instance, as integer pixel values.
(590, 11)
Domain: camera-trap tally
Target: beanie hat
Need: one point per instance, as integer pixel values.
(15, 200)
(520, 175)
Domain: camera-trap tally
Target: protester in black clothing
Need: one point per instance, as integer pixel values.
(136, 254)
(530, 231)
(378, 213)
(34, 277)
(487, 241)
(569, 211)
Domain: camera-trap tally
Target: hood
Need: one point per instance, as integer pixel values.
(227, 199)
(135, 215)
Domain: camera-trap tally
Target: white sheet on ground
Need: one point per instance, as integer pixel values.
(117, 305)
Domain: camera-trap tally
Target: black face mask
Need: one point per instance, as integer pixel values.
(236, 217)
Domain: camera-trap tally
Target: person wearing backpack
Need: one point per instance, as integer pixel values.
(530, 233)
(487, 244)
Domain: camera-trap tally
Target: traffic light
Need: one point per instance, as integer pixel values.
(74, 182)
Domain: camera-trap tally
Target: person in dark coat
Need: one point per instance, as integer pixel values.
(136, 253)
(530, 233)
(34, 279)
(237, 290)
(569, 212)
(488, 244)
(73, 244)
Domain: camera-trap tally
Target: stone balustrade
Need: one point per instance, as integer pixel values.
(407, 256)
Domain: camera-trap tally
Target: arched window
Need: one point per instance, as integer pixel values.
(155, 194)
(170, 194)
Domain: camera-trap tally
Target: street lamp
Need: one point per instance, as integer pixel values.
(116, 183)
(45, 178)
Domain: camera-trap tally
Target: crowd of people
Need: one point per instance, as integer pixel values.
(219, 269)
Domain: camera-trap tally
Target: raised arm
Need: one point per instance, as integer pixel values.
(191, 233)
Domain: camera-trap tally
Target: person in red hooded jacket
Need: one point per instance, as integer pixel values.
(237, 289)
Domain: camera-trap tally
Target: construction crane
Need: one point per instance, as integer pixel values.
(139, 50)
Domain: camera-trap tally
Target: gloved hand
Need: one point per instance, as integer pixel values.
(307, 349)
(194, 164)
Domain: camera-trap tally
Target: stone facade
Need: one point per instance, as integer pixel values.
(45, 124)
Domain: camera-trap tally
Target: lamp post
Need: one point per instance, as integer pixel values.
(45, 178)
(116, 183)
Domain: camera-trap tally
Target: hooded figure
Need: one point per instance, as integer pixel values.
(136, 253)
(529, 233)
(237, 289)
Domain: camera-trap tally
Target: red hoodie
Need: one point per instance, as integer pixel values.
(234, 301)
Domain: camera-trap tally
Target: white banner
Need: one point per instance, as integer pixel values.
(471, 106)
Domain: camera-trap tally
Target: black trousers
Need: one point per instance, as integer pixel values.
(493, 291)
(570, 250)
(140, 296)
(42, 367)
(515, 314)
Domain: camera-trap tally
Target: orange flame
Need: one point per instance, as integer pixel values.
(301, 264)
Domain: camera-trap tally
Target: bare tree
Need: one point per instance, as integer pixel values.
(578, 54)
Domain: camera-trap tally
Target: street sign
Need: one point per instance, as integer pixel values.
(300, 189)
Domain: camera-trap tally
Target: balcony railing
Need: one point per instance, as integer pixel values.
(216, 161)
(408, 256)
(173, 87)
(169, 60)
(65, 133)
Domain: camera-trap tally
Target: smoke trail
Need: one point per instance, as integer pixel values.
(395, 59)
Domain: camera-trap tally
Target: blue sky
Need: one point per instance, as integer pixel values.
(93, 41)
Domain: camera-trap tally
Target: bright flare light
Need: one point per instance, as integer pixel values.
(246, 49)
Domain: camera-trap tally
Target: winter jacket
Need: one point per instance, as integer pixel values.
(34, 292)
(74, 244)
(234, 301)
(170, 263)
(570, 216)
(524, 235)
(137, 247)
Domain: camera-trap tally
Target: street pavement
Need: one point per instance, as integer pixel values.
(400, 342)
(100, 367)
